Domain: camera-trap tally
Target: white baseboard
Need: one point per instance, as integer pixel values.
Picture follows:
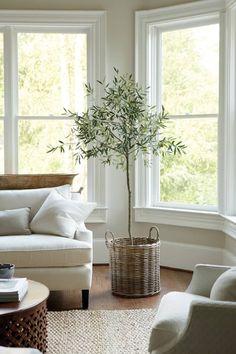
(100, 252)
(173, 254)
(185, 256)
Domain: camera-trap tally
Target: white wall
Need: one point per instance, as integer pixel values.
(181, 247)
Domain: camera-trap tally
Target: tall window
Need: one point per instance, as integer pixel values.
(189, 85)
(43, 69)
(186, 55)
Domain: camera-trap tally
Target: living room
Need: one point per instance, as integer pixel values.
(194, 210)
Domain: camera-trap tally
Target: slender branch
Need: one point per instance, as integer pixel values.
(114, 135)
(129, 197)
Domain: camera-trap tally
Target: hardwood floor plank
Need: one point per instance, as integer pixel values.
(101, 297)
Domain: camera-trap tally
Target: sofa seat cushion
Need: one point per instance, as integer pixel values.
(171, 318)
(31, 251)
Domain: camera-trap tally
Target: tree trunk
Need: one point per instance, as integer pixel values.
(129, 197)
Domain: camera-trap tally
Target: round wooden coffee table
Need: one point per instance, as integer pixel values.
(24, 324)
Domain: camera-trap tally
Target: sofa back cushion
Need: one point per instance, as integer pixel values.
(32, 198)
(15, 222)
(224, 288)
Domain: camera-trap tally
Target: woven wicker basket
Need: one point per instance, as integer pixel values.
(135, 268)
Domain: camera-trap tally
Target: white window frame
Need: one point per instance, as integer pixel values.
(93, 23)
(146, 25)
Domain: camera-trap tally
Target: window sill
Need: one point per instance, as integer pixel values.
(229, 225)
(179, 217)
(188, 218)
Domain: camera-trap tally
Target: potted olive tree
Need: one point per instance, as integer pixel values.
(116, 131)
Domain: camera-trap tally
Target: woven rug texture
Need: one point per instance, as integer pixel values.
(99, 332)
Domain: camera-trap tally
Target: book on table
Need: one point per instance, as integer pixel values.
(13, 290)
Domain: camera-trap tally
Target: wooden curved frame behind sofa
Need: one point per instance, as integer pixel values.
(32, 181)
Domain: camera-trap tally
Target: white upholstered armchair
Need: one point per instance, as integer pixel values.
(201, 320)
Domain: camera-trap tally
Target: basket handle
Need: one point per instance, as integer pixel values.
(157, 236)
(107, 234)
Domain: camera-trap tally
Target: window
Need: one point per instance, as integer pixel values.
(185, 56)
(189, 87)
(43, 69)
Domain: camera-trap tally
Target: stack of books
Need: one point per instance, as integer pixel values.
(13, 290)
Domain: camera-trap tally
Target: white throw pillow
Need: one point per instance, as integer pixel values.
(59, 216)
(224, 288)
(15, 222)
(33, 198)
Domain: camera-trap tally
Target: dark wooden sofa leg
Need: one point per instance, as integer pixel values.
(85, 299)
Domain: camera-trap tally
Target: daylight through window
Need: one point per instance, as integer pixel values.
(189, 86)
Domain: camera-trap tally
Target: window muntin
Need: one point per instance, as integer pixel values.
(189, 86)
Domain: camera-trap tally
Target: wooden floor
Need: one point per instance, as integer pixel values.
(101, 297)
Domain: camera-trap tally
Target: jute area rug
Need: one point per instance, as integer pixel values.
(99, 332)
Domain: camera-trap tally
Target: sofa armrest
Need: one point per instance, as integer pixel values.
(204, 276)
(84, 235)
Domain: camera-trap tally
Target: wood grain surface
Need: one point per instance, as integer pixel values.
(31, 181)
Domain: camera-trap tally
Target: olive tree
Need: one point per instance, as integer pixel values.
(119, 128)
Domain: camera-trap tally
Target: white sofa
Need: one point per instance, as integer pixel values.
(58, 262)
(201, 320)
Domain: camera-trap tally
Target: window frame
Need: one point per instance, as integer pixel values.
(93, 23)
(225, 218)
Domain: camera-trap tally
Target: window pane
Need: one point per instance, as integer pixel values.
(52, 73)
(34, 139)
(1, 148)
(191, 178)
(190, 65)
(1, 77)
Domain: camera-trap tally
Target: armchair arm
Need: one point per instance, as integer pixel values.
(204, 276)
(210, 329)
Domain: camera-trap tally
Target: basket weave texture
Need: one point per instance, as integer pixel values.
(135, 268)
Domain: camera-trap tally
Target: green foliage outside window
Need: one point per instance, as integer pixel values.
(190, 86)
